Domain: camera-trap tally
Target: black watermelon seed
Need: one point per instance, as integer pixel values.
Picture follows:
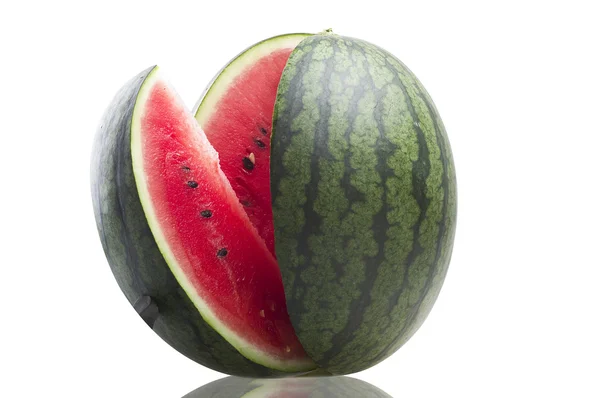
(185, 168)
(192, 184)
(245, 203)
(206, 213)
(263, 131)
(222, 252)
(259, 143)
(248, 164)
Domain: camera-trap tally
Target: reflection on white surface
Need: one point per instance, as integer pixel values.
(330, 387)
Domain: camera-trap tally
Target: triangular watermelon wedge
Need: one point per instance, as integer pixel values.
(204, 234)
(153, 162)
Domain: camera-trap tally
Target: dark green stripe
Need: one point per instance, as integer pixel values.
(420, 173)
(294, 173)
(441, 225)
(380, 223)
(313, 220)
(324, 279)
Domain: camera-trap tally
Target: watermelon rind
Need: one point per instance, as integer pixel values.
(218, 86)
(363, 188)
(132, 252)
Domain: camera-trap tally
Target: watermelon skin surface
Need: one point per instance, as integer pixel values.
(309, 387)
(364, 200)
(132, 252)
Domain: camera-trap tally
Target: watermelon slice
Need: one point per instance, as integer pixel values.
(236, 114)
(203, 233)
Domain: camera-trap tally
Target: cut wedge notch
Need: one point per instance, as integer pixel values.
(236, 115)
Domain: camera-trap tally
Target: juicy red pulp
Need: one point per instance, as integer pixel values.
(212, 241)
(239, 128)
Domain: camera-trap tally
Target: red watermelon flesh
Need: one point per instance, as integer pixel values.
(204, 234)
(239, 128)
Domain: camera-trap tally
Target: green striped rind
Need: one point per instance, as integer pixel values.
(322, 387)
(364, 200)
(131, 250)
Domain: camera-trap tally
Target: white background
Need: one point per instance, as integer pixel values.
(517, 84)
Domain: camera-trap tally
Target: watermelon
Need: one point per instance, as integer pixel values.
(304, 219)
(174, 232)
(306, 387)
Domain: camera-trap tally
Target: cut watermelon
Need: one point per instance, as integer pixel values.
(236, 115)
(357, 177)
(204, 234)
